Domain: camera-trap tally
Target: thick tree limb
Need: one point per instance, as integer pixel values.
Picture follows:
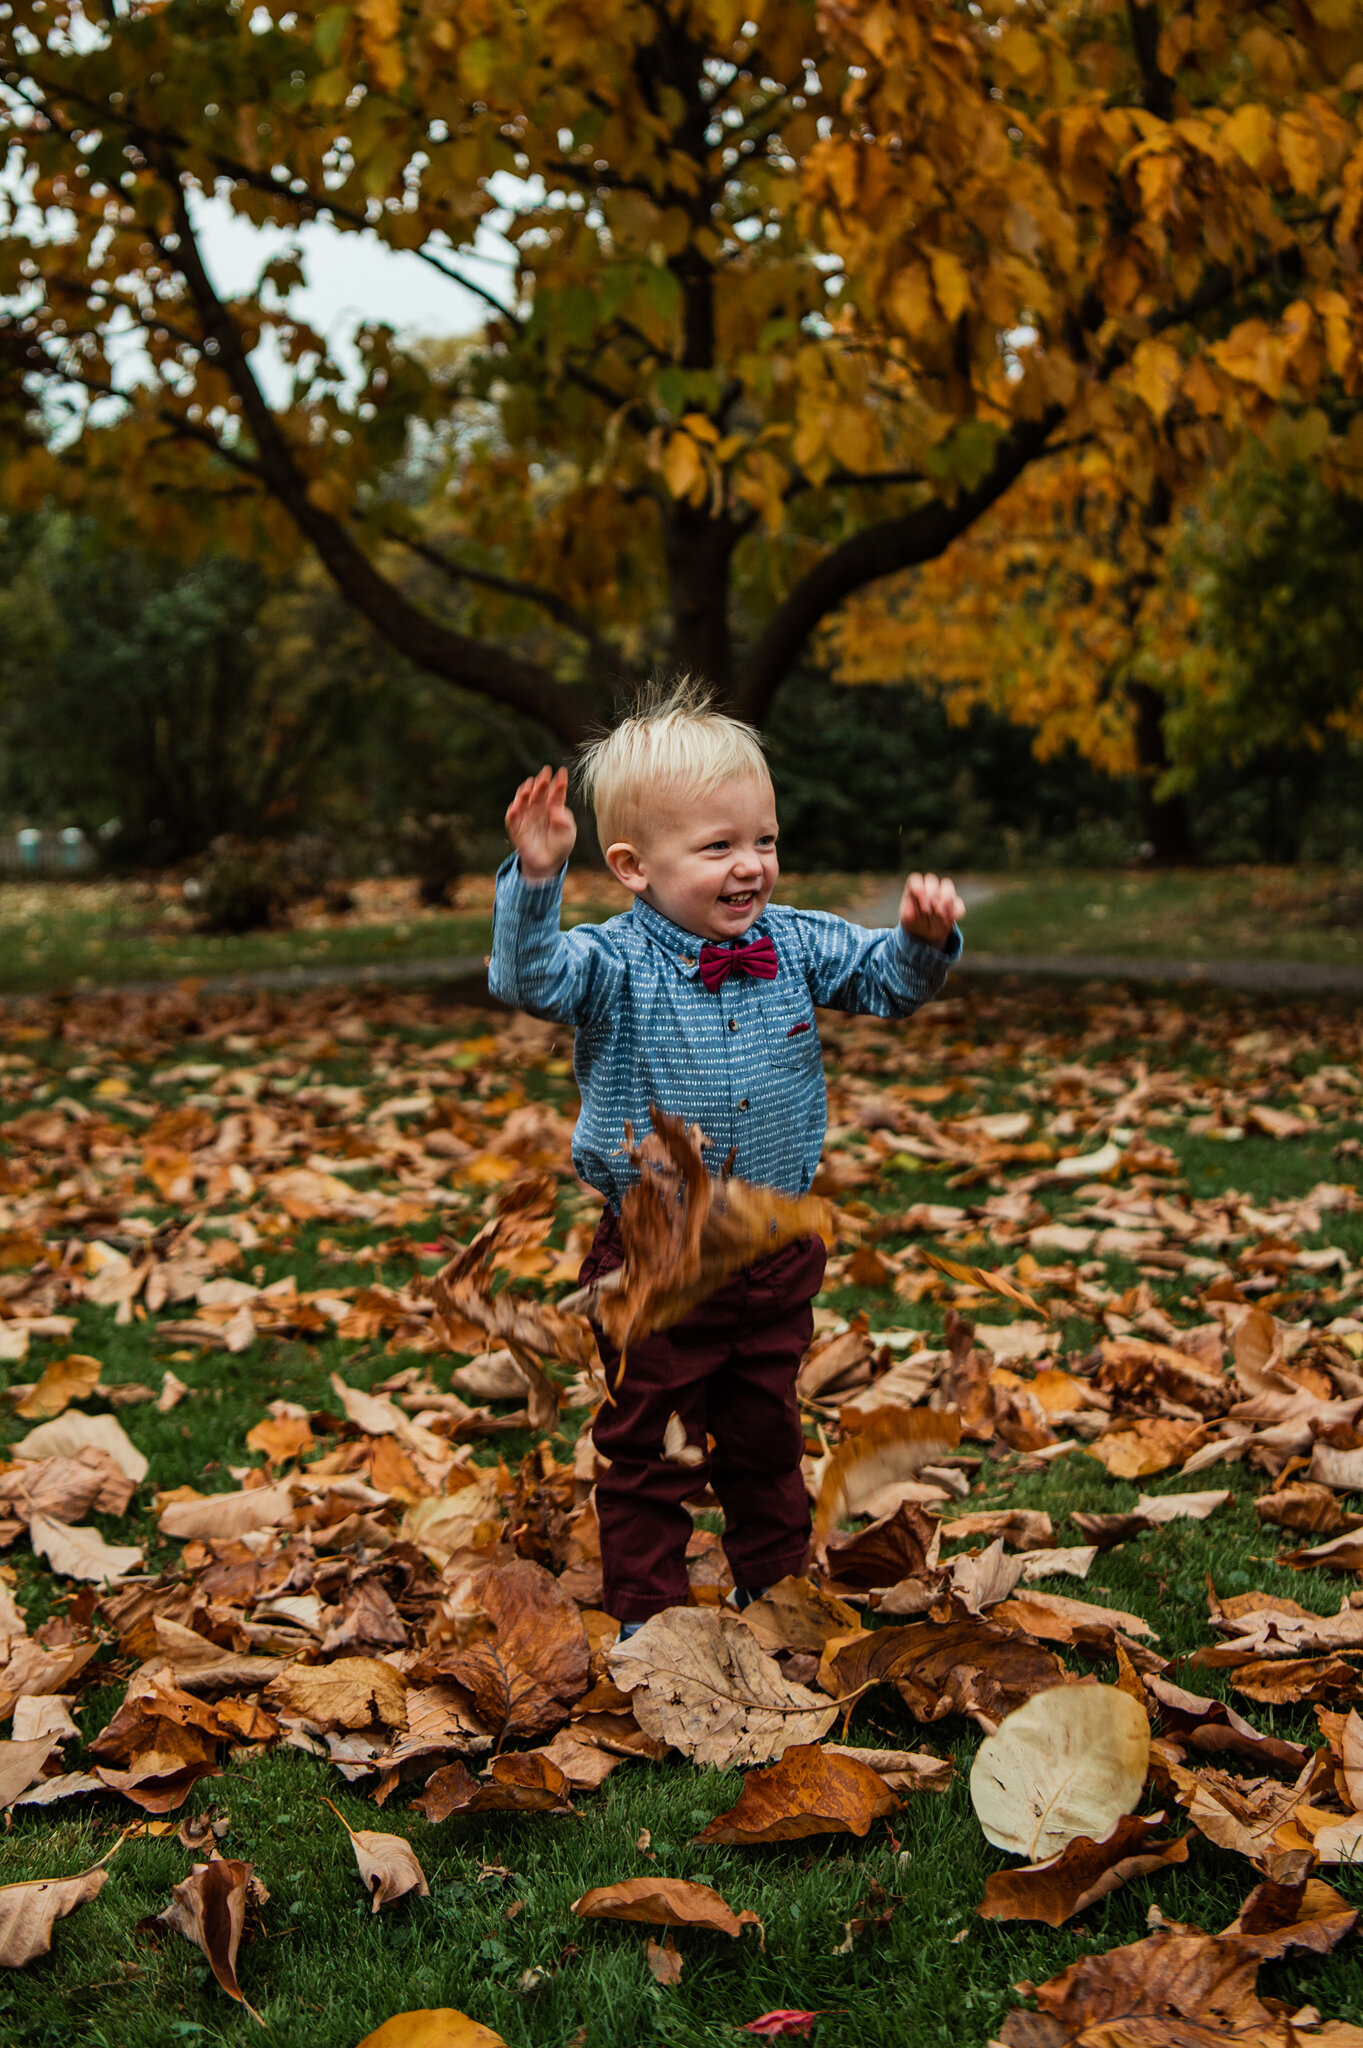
(880, 550)
(560, 611)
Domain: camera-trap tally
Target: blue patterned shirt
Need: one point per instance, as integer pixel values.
(743, 1062)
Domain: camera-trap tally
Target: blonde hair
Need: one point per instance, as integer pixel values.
(674, 738)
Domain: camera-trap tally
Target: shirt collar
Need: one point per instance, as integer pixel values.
(684, 946)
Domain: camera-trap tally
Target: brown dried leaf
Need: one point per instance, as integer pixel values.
(69, 1434)
(387, 1864)
(82, 1553)
(904, 1770)
(63, 1380)
(209, 1909)
(20, 1763)
(684, 1233)
(524, 1681)
(894, 1444)
(964, 1667)
(901, 1545)
(664, 1961)
(795, 1614)
(353, 1692)
(990, 1283)
(522, 1782)
(698, 1681)
(1084, 1872)
(664, 1902)
(1135, 1450)
(218, 1517)
(809, 1792)
(29, 1912)
(1277, 1917)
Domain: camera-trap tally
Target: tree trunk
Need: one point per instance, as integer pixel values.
(699, 552)
(1165, 824)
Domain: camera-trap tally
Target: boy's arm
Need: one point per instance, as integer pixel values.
(566, 976)
(873, 973)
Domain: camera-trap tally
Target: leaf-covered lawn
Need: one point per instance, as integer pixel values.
(247, 1193)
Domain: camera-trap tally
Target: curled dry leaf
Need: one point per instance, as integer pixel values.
(970, 1667)
(1309, 1914)
(462, 1290)
(217, 1517)
(387, 1864)
(665, 1902)
(432, 2027)
(20, 1763)
(989, 1283)
(698, 1680)
(524, 1681)
(1069, 1762)
(82, 1553)
(904, 1770)
(209, 1909)
(1172, 1990)
(795, 1614)
(521, 1783)
(1084, 1872)
(809, 1792)
(895, 1444)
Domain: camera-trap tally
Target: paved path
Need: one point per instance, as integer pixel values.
(1291, 977)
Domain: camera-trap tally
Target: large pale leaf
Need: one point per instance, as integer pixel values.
(29, 1912)
(387, 1864)
(82, 1553)
(1069, 1762)
(698, 1680)
(70, 1433)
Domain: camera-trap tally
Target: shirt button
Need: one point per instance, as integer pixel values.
(743, 1102)
(687, 961)
(733, 1023)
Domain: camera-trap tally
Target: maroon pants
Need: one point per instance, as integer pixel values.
(728, 1370)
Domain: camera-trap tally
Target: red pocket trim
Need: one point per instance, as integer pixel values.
(796, 1029)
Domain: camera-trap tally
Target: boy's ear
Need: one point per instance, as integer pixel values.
(626, 864)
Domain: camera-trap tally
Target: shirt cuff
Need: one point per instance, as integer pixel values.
(917, 952)
(533, 899)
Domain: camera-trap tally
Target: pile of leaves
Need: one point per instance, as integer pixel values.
(401, 1578)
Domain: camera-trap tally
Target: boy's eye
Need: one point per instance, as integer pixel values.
(717, 846)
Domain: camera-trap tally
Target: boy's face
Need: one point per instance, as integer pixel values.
(706, 863)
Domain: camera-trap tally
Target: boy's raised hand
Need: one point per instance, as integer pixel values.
(929, 908)
(542, 828)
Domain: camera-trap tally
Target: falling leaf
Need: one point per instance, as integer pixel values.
(664, 1902)
(432, 2027)
(807, 1793)
(698, 1680)
(1068, 1762)
(684, 1233)
(895, 1444)
(63, 1380)
(989, 1283)
(1083, 1872)
(387, 1864)
(676, 1448)
(209, 1909)
(82, 1553)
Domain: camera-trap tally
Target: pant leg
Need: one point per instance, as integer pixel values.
(644, 1525)
(754, 1417)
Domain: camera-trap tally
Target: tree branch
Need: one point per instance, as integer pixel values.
(880, 550)
(558, 608)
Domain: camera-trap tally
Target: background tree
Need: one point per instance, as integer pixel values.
(797, 296)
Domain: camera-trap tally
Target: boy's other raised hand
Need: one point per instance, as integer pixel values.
(542, 828)
(929, 908)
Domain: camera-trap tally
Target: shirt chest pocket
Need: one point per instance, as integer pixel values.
(792, 1039)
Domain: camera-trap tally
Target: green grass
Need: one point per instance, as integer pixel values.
(1216, 914)
(323, 1971)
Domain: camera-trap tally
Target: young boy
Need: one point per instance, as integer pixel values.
(700, 998)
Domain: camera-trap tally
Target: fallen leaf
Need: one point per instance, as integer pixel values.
(82, 1553)
(526, 1678)
(387, 1864)
(904, 1770)
(1152, 1444)
(432, 2027)
(664, 1902)
(29, 1912)
(217, 1517)
(809, 1792)
(795, 1614)
(1172, 1990)
(698, 1680)
(521, 1783)
(63, 1380)
(20, 1763)
(352, 1692)
(1068, 1762)
(664, 1961)
(1276, 1918)
(969, 1666)
(69, 1434)
(1083, 1872)
(781, 2024)
(209, 1909)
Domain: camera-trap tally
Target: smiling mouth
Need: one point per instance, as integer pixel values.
(740, 902)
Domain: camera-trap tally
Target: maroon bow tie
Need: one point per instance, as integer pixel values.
(717, 963)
